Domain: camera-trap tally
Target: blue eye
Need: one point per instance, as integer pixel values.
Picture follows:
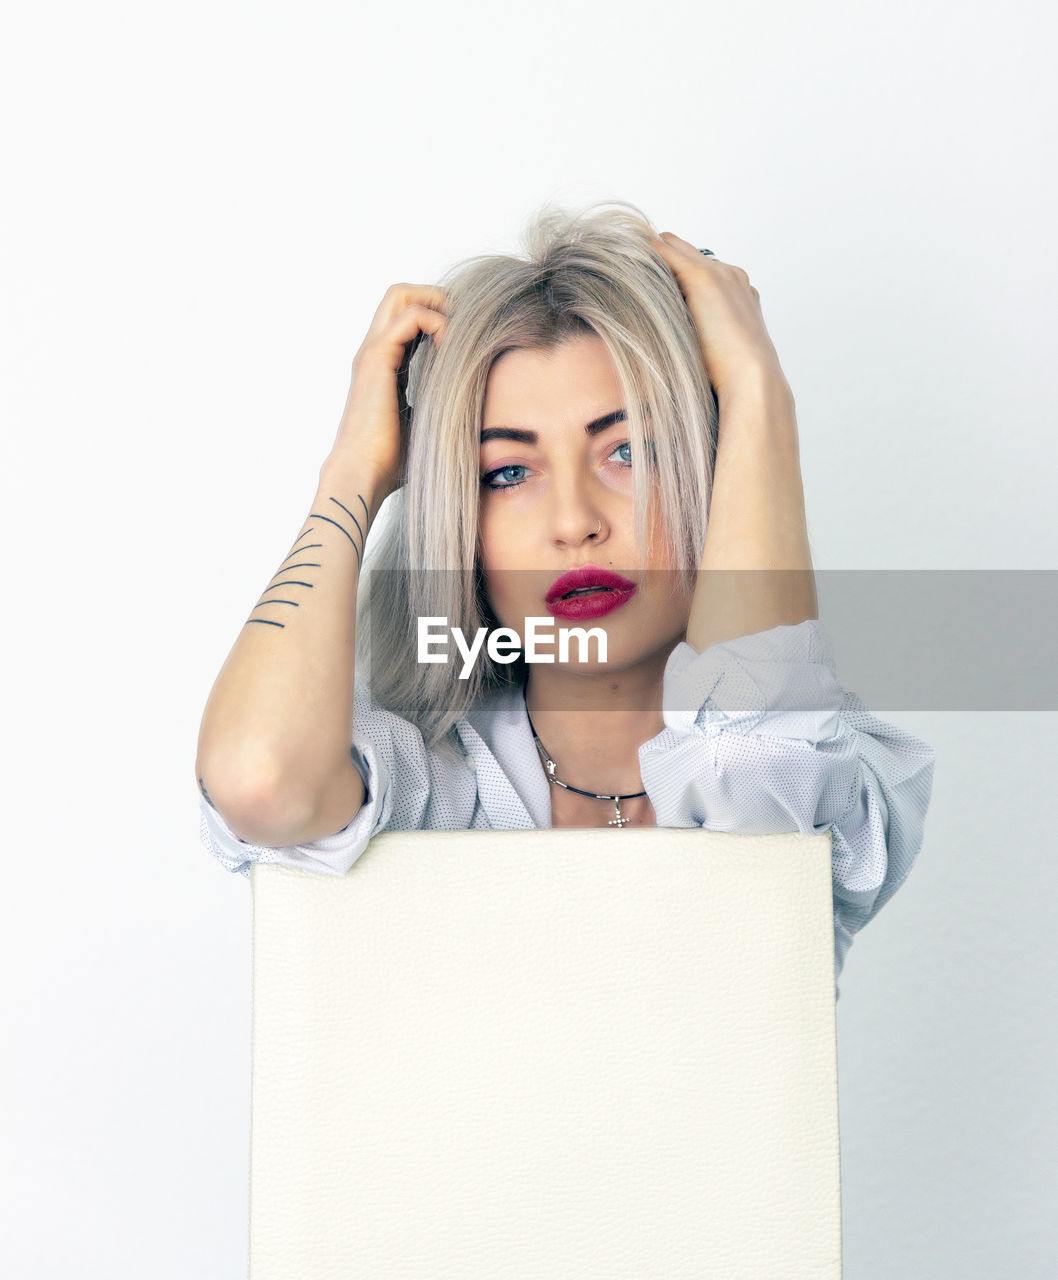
(488, 480)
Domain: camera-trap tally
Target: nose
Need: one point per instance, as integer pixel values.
(575, 518)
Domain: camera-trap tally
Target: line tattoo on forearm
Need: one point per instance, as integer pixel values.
(299, 548)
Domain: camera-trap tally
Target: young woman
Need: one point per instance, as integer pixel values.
(600, 435)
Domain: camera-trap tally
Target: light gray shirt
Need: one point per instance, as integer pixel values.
(759, 738)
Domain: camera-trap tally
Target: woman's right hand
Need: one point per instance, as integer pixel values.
(374, 426)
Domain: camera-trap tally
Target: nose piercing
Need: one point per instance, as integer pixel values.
(595, 531)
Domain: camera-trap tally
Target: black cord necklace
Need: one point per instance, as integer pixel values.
(619, 821)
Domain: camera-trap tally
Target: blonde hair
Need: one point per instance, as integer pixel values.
(585, 272)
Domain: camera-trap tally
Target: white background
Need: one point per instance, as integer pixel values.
(202, 207)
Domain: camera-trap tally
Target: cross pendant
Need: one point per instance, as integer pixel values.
(620, 820)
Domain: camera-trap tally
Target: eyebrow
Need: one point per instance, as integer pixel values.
(522, 436)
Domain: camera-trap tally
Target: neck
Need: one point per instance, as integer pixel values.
(593, 724)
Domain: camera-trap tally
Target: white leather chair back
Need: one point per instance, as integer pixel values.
(573, 1054)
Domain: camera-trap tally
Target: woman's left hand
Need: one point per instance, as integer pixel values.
(726, 311)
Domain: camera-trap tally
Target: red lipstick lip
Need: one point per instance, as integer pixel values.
(595, 605)
(587, 575)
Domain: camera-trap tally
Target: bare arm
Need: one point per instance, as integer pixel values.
(756, 569)
(273, 748)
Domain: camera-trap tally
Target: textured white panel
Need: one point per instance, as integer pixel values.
(558, 1054)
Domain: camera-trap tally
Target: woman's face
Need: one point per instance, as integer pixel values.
(556, 494)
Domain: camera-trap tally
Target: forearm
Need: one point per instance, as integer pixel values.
(756, 567)
(276, 727)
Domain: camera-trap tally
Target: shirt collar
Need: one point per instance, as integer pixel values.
(497, 737)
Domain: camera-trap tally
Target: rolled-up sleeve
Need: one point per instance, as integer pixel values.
(760, 738)
(407, 788)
